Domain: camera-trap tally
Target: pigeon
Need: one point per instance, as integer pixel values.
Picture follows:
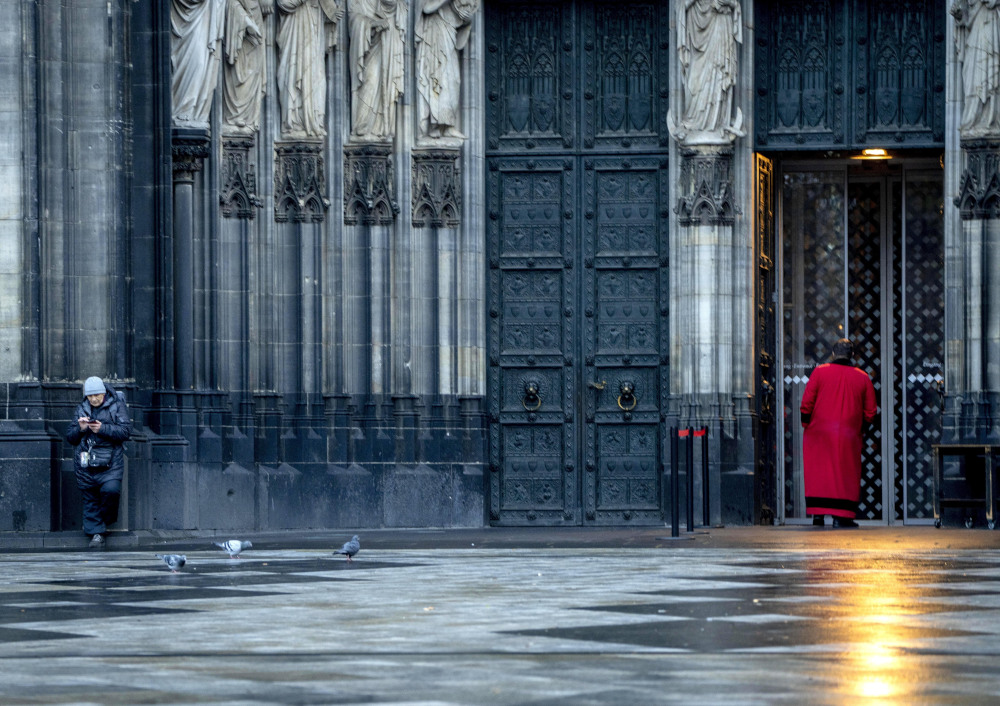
(174, 561)
(234, 547)
(350, 548)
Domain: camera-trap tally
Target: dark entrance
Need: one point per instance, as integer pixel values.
(862, 255)
(577, 237)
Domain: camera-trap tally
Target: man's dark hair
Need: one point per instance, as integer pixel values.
(843, 349)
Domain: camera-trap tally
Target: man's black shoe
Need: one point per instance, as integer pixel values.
(818, 520)
(97, 541)
(844, 523)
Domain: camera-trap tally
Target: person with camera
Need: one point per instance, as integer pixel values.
(100, 428)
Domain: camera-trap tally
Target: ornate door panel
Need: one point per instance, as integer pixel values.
(530, 76)
(850, 74)
(626, 326)
(577, 203)
(532, 331)
(765, 436)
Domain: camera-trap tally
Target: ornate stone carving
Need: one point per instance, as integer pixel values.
(378, 31)
(979, 189)
(437, 189)
(441, 31)
(245, 64)
(976, 43)
(706, 185)
(195, 36)
(238, 197)
(299, 182)
(188, 150)
(307, 31)
(369, 186)
(708, 35)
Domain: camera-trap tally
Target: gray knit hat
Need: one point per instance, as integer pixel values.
(93, 386)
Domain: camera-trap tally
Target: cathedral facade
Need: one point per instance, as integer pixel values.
(433, 263)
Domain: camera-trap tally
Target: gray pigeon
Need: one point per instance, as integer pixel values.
(234, 547)
(174, 561)
(350, 548)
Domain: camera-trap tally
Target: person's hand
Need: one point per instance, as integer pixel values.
(83, 422)
(95, 425)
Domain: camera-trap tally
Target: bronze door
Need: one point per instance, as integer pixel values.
(577, 238)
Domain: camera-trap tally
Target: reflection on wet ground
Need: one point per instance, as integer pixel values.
(505, 626)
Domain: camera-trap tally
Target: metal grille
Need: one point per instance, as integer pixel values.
(864, 301)
(924, 326)
(896, 355)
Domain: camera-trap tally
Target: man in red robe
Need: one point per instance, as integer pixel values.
(837, 405)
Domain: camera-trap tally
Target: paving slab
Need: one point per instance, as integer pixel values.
(749, 615)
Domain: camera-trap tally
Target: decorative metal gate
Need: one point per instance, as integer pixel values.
(577, 237)
(862, 257)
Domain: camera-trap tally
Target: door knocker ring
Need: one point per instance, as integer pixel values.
(627, 396)
(531, 400)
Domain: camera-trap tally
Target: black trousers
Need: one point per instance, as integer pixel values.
(101, 493)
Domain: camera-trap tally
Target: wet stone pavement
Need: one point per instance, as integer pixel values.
(767, 616)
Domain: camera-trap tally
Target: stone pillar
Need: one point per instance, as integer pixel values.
(190, 149)
(301, 204)
(370, 206)
(974, 397)
(437, 213)
(711, 248)
(239, 204)
(972, 241)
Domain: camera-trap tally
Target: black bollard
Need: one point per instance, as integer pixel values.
(706, 500)
(689, 466)
(675, 510)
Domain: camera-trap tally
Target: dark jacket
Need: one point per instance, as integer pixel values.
(116, 428)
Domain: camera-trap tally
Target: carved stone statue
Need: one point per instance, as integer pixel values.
(195, 35)
(245, 68)
(307, 31)
(708, 32)
(378, 32)
(441, 31)
(977, 24)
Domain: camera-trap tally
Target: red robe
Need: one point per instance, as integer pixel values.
(840, 400)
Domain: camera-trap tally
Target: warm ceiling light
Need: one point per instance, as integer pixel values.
(873, 153)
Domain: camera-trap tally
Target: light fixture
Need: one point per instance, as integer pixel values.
(873, 153)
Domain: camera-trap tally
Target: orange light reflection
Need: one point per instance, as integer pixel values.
(871, 614)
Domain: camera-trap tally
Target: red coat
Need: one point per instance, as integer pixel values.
(840, 400)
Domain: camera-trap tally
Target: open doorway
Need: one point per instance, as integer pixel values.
(861, 250)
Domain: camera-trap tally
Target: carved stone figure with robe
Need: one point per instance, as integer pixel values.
(245, 67)
(977, 25)
(195, 52)
(378, 32)
(306, 32)
(708, 35)
(441, 31)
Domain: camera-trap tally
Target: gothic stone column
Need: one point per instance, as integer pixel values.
(190, 149)
(976, 415)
